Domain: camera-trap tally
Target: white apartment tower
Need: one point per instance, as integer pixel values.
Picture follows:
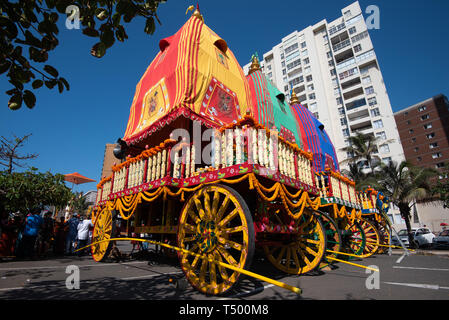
(334, 71)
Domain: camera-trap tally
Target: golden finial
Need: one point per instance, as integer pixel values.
(294, 99)
(254, 65)
(195, 13)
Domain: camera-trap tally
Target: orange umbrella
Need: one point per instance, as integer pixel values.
(76, 178)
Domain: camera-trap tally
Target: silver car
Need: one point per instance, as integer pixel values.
(442, 240)
(422, 236)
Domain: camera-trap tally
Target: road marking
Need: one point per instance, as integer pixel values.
(416, 268)
(400, 259)
(151, 275)
(81, 266)
(257, 290)
(7, 289)
(418, 285)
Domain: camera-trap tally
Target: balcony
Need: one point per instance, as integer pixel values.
(353, 93)
(350, 83)
(356, 118)
(361, 126)
(341, 45)
(337, 28)
(355, 104)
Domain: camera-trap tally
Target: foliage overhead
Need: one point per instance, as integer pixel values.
(29, 32)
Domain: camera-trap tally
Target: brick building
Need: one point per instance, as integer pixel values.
(424, 132)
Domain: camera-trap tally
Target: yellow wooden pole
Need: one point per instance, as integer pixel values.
(240, 270)
(353, 264)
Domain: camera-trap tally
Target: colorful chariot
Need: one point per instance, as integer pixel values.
(220, 166)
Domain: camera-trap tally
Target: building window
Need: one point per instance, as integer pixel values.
(347, 14)
(284, 72)
(358, 48)
(381, 135)
(378, 124)
(283, 64)
(339, 101)
(375, 112)
(427, 126)
(269, 67)
(386, 160)
(366, 80)
(303, 44)
(439, 165)
(307, 69)
(293, 64)
(285, 88)
(306, 61)
(282, 56)
(345, 132)
(330, 63)
(310, 87)
(433, 145)
(343, 121)
(425, 117)
(384, 148)
(359, 36)
(430, 135)
(369, 90)
(413, 140)
(352, 30)
(291, 48)
(408, 122)
(329, 55)
(422, 108)
(270, 75)
(309, 78)
(316, 115)
(436, 155)
(341, 111)
(372, 101)
(304, 53)
(419, 159)
(410, 131)
(312, 96)
(416, 149)
(313, 107)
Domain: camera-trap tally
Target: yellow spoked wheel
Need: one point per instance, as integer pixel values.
(384, 233)
(333, 237)
(102, 231)
(215, 222)
(298, 252)
(372, 238)
(353, 237)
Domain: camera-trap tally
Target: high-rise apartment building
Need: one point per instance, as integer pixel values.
(333, 68)
(424, 131)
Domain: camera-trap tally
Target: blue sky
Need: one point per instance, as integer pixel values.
(70, 130)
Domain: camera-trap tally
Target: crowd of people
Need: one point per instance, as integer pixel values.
(40, 235)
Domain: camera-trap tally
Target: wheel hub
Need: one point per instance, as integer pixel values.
(206, 236)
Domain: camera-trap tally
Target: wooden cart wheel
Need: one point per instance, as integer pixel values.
(372, 238)
(353, 237)
(333, 236)
(215, 222)
(304, 251)
(102, 231)
(384, 233)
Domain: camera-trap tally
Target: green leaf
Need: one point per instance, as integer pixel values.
(15, 102)
(107, 37)
(98, 50)
(4, 67)
(150, 27)
(29, 98)
(66, 84)
(101, 14)
(37, 84)
(52, 71)
(91, 32)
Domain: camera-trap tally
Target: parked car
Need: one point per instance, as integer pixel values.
(442, 240)
(422, 236)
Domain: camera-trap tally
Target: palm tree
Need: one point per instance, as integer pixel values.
(362, 147)
(79, 203)
(362, 180)
(405, 184)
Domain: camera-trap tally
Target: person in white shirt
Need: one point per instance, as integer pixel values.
(83, 233)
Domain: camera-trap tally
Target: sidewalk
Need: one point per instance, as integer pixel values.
(423, 252)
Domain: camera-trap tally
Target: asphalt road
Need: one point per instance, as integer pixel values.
(414, 277)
